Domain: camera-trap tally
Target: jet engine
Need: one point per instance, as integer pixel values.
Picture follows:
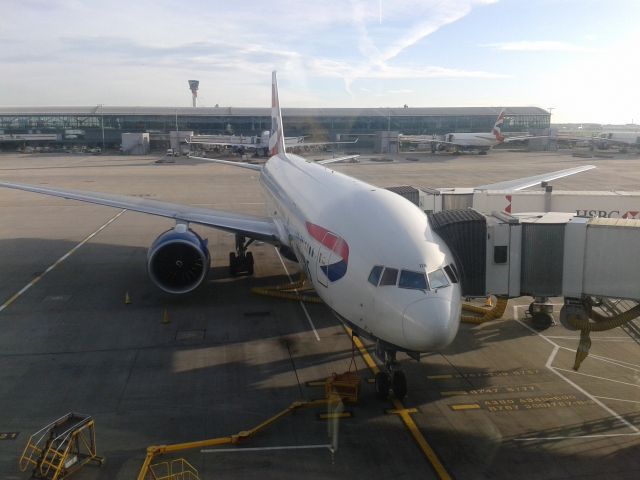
(178, 260)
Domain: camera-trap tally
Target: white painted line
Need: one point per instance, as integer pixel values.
(617, 399)
(608, 339)
(615, 360)
(597, 377)
(609, 435)
(556, 371)
(57, 262)
(264, 449)
(304, 308)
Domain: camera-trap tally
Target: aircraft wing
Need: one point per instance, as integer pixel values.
(250, 166)
(337, 159)
(221, 144)
(526, 182)
(260, 228)
(514, 139)
(315, 144)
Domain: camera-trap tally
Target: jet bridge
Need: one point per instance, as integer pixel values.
(591, 262)
(543, 254)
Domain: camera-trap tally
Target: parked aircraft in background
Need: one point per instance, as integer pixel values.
(257, 144)
(482, 142)
(622, 140)
(370, 254)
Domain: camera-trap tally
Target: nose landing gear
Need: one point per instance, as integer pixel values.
(391, 377)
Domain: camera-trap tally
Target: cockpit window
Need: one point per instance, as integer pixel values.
(414, 280)
(374, 276)
(437, 279)
(389, 277)
(450, 270)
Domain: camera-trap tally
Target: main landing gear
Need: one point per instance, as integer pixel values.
(541, 311)
(390, 377)
(241, 261)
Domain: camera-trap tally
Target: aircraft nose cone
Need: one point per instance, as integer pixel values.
(431, 324)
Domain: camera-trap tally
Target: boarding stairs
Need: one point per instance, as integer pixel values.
(615, 306)
(61, 448)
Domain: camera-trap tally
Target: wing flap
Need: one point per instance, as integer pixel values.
(260, 228)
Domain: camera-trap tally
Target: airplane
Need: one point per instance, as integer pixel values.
(482, 142)
(622, 140)
(258, 144)
(370, 254)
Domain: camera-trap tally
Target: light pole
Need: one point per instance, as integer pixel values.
(102, 123)
(549, 129)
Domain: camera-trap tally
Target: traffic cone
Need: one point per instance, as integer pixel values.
(488, 302)
(127, 298)
(165, 317)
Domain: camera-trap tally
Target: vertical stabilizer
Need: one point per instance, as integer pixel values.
(276, 141)
(497, 127)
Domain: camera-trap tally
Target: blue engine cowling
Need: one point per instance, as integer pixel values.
(178, 260)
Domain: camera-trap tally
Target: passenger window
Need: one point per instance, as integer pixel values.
(449, 270)
(374, 276)
(389, 277)
(437, 279)
(414, 280)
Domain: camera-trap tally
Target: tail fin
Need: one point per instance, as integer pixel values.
(276, 141)
(497, 127)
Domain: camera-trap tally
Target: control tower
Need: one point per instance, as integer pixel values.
(193, 86)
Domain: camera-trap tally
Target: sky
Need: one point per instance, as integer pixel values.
(578, 58)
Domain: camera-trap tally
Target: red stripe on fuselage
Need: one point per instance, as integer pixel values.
(329, 239)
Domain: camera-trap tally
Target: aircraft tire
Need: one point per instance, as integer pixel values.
(382, 384)
(233, 264)
(249, 263)
(399, 384)
(541, 321)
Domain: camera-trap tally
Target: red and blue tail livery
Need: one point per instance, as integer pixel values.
(334, 265)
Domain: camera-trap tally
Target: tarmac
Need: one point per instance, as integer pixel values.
(501, 402)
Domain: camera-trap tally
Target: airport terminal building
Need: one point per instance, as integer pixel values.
(98, 125)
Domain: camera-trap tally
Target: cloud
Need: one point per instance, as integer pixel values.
(333, 39)
(540, 46)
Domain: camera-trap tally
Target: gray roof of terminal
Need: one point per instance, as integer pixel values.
(266, 112)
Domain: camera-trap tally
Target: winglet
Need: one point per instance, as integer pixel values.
(276, 141)
(497, 127)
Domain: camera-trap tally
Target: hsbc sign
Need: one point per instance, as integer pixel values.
(608, 213)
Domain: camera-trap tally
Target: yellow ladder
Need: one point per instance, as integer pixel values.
(61, 448)
(178, 469)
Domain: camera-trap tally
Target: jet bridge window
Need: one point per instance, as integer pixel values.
(437, 279)
(412, 280)
(374, 276)
(389, 277)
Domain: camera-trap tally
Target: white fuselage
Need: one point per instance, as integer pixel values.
(618, 138)
(339, 228)
(472, 140)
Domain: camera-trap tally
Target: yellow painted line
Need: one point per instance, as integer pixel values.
(405, 416)
(454, 392)
(465, 406)
(57, 262)
(408, 410)
(331, 416)
(439, 377)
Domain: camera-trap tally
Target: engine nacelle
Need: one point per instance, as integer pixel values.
(178, 260)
